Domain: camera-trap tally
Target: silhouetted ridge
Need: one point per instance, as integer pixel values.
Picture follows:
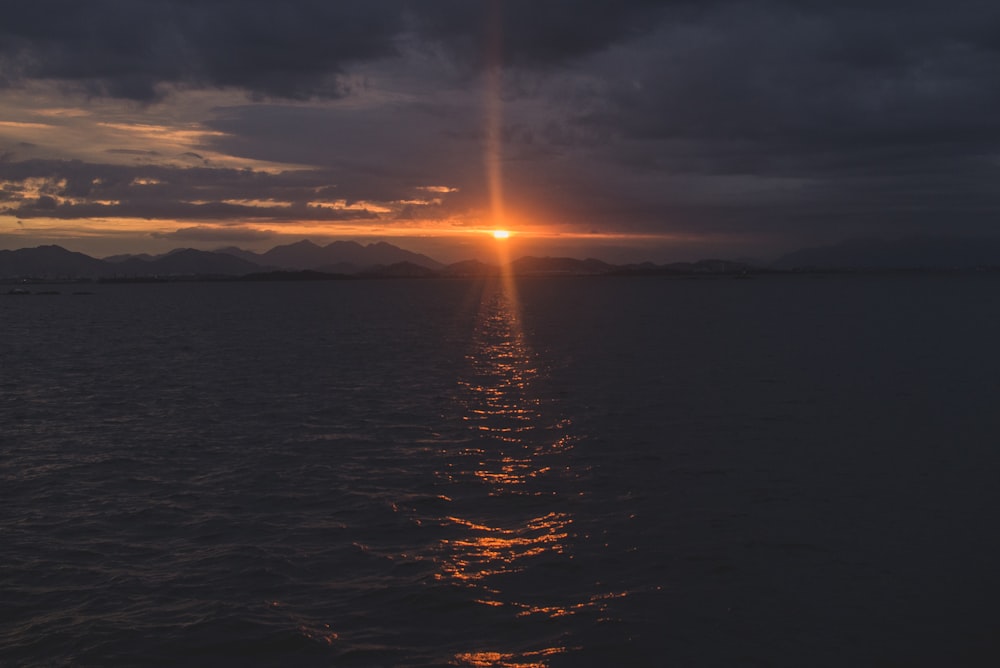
(559, 265)
(400, 270)
(300, 255)
(340, 256)
(49, 262)
(383, 260)
(468, 268)
(188, 262)
(304, 275)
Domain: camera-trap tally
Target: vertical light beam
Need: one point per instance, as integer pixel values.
(493, 150)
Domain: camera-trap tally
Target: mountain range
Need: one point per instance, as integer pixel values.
(386, 260)
(341, 257)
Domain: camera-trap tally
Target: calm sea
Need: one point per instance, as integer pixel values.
(784, 471)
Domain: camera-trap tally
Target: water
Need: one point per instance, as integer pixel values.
(566, 472)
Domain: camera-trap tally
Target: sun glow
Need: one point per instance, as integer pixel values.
(501, 234)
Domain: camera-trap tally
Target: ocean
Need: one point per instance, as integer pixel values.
(554, 471)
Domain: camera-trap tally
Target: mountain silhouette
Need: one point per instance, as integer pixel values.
(559, 265)
(469, 268)
(400, 270)
(341, 256)
(385, 260)
(300, 255)
(338, 257)
(385, 253)
(188, 262)
(49, 262)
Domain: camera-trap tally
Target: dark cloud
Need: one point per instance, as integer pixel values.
(876, 115)
(289, 49)
(44, 204)
(77, 190)
(385, 153)
(790, 79)
(47, 207)
(132, 151)
(76, 178)
(529, 33)
(295, 48)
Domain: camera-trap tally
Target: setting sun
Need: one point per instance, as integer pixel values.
(501, 234)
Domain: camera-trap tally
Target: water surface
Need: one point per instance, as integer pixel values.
(781, 471)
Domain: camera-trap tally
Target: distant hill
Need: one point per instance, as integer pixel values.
(305, 260)
(559, 265)
(340, 268)
(249, 256)
(49, 262)
(286, 276)
(55, 262)
(128, 256)
(908, 253)
(399, 270)
(309, 261)
(469, 268)
(701, 267)
(341, 256)
(300, 255)
(187, 262)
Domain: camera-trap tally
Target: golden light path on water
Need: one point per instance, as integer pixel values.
(517, 471)
(514, 440)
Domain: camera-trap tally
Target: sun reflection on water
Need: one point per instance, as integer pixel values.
(487, 551)
(512, 465)
(503, 660)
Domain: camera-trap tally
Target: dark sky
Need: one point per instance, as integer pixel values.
(670, 129)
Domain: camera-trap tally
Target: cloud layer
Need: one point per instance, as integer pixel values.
(768, 123)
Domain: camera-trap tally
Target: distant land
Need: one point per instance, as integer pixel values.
(306, 260)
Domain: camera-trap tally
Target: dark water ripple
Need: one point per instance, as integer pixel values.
(762, 473)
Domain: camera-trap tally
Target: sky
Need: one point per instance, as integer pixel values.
(628, 130)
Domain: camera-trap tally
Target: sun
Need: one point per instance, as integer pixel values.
(501, 234)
